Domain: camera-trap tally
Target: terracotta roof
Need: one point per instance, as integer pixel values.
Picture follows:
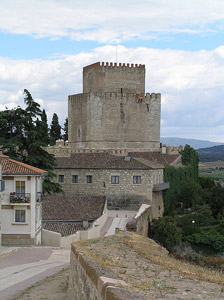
(72, 208)
(157, 157)
(13, 167)
(98, 161)
(2, 156)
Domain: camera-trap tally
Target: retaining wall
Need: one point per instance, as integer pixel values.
(89, 281)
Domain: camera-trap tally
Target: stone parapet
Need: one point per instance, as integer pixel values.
(90, 281)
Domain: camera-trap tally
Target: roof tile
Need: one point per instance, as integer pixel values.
(13, 167)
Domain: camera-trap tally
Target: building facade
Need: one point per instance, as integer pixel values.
(21, 205)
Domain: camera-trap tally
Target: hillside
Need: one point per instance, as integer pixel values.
(196, 144)
(212, 153)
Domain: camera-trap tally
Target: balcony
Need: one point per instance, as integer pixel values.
(161, 187)
(19, 198)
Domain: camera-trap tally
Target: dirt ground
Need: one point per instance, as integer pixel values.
(150, 272)
(51, 288)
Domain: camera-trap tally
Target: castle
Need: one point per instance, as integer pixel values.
(113, 147)
(113, 111)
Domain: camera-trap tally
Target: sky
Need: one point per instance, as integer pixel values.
(44, 44)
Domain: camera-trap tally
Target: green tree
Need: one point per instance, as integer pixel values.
(166, 232)
(65, 129)
(191, 194)
(189, 156)
(42, 126)
(55, 130)
(217, 200)
(23, 133)
(11, 132)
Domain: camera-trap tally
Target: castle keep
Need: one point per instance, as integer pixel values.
(113, 111)
(113, 147)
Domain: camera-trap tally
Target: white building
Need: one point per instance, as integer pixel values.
(20, 203)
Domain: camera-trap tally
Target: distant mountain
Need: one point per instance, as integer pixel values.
(212, 153)
(196, 144)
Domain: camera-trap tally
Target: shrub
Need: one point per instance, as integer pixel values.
(166, 232)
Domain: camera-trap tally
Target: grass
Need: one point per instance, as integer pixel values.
(215, 175)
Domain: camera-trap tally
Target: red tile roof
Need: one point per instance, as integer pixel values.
(13, 167)
(2, 156)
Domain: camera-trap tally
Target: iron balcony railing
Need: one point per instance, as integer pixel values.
(19, 197)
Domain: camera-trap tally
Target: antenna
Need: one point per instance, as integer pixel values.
(116, 53)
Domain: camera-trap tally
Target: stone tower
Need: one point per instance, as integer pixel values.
(113, 111)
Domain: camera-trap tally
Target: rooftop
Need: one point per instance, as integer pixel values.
(64, 214)
(61, 207)
(103, 161)
(13, 167)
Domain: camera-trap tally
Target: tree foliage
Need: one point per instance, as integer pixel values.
(166, 232)
(65, 129)
(55, 130)
(24, 133)
(194, 206)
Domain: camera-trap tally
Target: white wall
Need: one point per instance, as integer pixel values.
(33, 221)
(50, 238)
(93, 232)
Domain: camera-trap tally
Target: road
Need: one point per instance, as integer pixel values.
(26, 266)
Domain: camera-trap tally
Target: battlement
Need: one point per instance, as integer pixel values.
(117, 95)
(114, 65)
(171, 149)
(113, 77)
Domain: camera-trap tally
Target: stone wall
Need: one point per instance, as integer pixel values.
(145, 214)
(90, 281)
(114, 121)
(116, 78)
(123, 195)
(17, 240)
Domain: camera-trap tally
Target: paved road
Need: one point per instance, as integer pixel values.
(26, 266)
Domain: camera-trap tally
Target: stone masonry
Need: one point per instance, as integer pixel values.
(124, 195)
(113, 111)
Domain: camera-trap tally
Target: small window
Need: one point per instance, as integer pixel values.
(89, 178)
(75, 178)
(115, 179)
(60, 178)
(20, 187)
(20, 216)
(136, 179)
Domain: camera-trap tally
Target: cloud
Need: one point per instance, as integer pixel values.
(109, 21)
(191, 83)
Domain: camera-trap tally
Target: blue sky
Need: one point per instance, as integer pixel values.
(44, 45)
